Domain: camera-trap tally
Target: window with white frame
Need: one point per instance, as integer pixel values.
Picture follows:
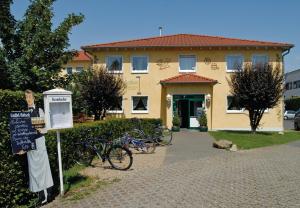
(79, 69)
(69, 70)
(139, 64)
(234, 62)
(233, 104)
(117, 107)
(187, 63)
(259, 60)
(114, 63)
(139, 104)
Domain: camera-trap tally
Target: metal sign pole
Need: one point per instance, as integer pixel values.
(60, 164)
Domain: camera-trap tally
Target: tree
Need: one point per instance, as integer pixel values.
(31, 51)
(101, 90)
(257, 89)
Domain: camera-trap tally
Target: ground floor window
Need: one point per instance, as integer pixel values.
(117, 107)
(139, 104)
(233, 104)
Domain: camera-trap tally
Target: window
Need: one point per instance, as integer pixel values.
(294, 85)
(114, 63)
(196, 108)
(139, 64)
(260, 60)
(69, 70)
(297, 84)
(79, 69)
(234, 62)
(287, 86)
(139, 104)
(233, 104)
(117, 107)
(187, 63)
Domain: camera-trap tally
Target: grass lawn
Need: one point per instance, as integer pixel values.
(247, 140)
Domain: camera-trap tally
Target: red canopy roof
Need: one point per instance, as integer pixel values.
(187, 78)
(188, 40)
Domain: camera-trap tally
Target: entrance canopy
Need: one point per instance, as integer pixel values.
(188, 78)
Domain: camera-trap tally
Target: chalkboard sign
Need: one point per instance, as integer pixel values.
(22, 133)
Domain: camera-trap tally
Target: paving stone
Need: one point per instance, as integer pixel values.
(264, 177)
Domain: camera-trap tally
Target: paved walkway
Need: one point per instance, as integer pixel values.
(191, 145)
(264, 177)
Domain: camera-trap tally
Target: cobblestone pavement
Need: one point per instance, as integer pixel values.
(264, 177)
(189, 145)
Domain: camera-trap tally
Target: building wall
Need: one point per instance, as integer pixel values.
(293, 88)
(74, 64)
(165, 64)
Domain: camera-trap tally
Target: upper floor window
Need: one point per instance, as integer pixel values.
(69, 70)
(187, 63)
(79, 69)
(114, 63)
(139, 64)
(260, 60)
(234, 62)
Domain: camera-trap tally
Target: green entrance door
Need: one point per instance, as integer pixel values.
(188, 108)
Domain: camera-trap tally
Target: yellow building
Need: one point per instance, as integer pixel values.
(80, 61)
(187, 73)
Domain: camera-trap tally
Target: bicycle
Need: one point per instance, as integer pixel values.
(119, 157)
(161, 136)
(146, 146)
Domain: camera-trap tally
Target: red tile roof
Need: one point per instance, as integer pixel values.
(188, 40)
(188, 78)
(82, 56)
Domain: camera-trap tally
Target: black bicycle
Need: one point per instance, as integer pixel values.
(119, 157)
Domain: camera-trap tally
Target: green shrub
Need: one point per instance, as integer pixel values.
(176, 120)
(292, 104)
(202, 119)
(13, 177)
(13, 168)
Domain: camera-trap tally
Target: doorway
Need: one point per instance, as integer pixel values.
(188, 108)
(183, 112)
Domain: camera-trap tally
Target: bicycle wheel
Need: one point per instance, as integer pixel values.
(150, 147)
(166, 137)
(119, 158)
(83, 154)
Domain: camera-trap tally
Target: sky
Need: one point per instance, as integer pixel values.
(115, 20)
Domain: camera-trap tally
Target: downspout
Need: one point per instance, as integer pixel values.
(286, 52)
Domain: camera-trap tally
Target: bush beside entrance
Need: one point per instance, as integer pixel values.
(13, 168)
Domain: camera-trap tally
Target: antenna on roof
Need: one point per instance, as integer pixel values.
(160, 30)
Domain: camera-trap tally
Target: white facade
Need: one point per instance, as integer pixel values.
(292, 84)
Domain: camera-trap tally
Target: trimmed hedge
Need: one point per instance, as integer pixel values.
(13, 172)
(292, 104)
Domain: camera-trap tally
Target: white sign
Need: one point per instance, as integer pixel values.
(58, 109)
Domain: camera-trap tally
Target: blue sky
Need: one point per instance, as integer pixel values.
(113, 20)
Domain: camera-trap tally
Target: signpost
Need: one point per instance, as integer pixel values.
(58, 115)
(21, 132)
